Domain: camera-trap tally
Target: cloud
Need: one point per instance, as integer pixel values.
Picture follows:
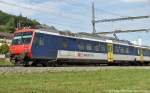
(12, 9)
(20, 6)
(30, 8)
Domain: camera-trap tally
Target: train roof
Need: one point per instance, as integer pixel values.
(24, 30)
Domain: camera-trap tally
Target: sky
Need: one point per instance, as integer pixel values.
(75, 15)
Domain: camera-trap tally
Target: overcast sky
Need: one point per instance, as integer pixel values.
(75, 15)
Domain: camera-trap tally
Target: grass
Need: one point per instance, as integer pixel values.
(4, 62)
(102, 81)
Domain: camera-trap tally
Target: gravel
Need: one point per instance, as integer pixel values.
(59, 69)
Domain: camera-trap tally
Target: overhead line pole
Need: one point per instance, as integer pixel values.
(93, 17)
(113, 20)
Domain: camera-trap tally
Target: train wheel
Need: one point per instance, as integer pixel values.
(53, 65)
(39, 65)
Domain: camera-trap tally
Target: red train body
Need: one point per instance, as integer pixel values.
(23, 50)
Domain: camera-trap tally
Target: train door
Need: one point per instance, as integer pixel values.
(141, 55)
(110, 52)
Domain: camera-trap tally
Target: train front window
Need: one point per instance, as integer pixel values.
(22, 38)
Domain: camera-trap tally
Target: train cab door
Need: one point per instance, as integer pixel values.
(110, 52)
(141, 55)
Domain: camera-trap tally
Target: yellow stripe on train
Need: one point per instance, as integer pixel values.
(141, 55)
(110, 53)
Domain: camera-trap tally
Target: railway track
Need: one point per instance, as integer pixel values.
(59, 69)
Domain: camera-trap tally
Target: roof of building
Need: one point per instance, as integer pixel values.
(6, 35)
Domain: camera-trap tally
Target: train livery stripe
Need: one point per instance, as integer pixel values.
(141, 56)
(110, 53)
(64, 54)
(126, 57)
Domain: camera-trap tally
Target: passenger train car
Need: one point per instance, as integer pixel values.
(43, 48)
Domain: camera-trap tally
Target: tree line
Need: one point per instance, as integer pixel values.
(9, 22)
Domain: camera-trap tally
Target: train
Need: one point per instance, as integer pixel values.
(38, 47)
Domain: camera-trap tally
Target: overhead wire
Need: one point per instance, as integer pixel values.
(84, 6)
(57, 14)
(33, 9)
(98, 9)
(60, 14)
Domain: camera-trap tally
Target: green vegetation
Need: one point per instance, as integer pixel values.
(4, 62)
(102, 81)
(4, 49)
(8, 22)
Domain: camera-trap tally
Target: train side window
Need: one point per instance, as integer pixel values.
(89, 46)
(116, 49)
(138, 51)
(65, 43)
(97, 47)
(121, 50)
(127, 50)
(144, 52)
(131, 50)
(103, 48)
(124, 50)
(81, 45)
(39, 41)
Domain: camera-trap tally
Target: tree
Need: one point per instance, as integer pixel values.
(4, 49)
(10, 25)
(9, 22)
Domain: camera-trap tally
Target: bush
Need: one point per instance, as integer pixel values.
(4, 49)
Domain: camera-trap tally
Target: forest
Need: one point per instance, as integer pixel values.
(9, 22)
